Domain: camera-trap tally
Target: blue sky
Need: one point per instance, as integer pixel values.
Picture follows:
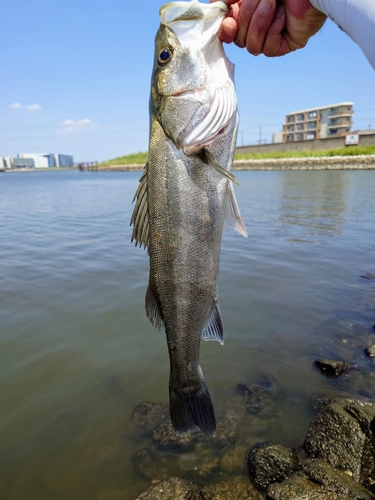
(75, 78)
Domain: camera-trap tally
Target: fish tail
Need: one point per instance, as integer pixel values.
(189, 407)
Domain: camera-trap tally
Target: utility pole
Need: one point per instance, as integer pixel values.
(260, 134)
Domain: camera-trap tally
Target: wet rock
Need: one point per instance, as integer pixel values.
(237, 488)
(340, 482)
(172, 488)
(165, 439)
(342, 434)
(258, 397)
(234, 460)
(259, 402)
(147, 416)
(243, 390)
(148, 465)
(331, 368)
(370, 350)
(198, 465)
(269, 463)
(318, 481)
(368, 276)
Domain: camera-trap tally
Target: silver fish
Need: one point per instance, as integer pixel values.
(185, 195)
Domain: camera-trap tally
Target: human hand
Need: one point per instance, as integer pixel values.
(271, 27)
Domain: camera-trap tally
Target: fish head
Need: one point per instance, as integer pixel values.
(192, 91)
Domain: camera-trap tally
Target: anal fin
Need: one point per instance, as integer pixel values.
(214, 328)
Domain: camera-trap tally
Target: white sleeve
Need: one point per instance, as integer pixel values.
(356, 18)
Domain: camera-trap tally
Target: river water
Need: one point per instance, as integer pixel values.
(77, 353)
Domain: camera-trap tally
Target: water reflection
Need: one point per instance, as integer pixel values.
(314, 203)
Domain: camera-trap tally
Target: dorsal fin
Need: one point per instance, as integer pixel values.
(139, 218)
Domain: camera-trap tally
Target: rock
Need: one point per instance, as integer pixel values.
(259, 402)
(331, 368)
(318, 481)
(172, 488)
(147, 416)
(342, 434)
(370, 350)
(236, 488)
(368, 276)
(234, 460)
(340, 482)
(165, 439)
(148, 465)
(269, 463)
(198, 465)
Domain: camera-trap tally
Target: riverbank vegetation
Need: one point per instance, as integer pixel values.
(141, 158)
(346, 151)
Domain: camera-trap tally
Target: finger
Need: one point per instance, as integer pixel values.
(259, 26)
(229, 2)
(275, 43)
(229, 30)
(245, 15)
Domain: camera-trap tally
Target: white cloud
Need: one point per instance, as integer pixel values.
(34, 107)
(31, 107)
(71, 126)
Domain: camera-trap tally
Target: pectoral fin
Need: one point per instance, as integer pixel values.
(140, 213)
(207, 158)
(214, 329)
(232, 216)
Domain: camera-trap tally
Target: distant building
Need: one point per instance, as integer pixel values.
(23, 163)
(41, 160)
(64, 161)
(6, 162)
(277, 137)
(36, 160)
(333, 120)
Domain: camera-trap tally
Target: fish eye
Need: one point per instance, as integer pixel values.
(165, 55)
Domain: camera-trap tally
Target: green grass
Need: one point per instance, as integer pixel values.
(348, 151)
(141, 158)
(127, 160)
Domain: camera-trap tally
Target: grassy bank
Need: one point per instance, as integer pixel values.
(141, 158)
(348, 151)
(126, 160)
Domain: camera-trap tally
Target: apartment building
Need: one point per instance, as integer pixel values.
(333, 120)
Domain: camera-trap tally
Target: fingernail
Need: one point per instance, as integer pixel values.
(265, 5)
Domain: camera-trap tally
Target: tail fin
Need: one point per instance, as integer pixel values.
(189, 408)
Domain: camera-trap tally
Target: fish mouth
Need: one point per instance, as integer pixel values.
(192, 21)
(191, 11)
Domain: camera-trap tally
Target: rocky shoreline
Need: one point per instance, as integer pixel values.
(335, 460)
(360, 162)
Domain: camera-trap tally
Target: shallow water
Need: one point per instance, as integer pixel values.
(77, 353)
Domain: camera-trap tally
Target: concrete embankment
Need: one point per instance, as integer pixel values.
(361, 162)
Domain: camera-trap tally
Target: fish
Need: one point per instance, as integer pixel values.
(185, 196)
